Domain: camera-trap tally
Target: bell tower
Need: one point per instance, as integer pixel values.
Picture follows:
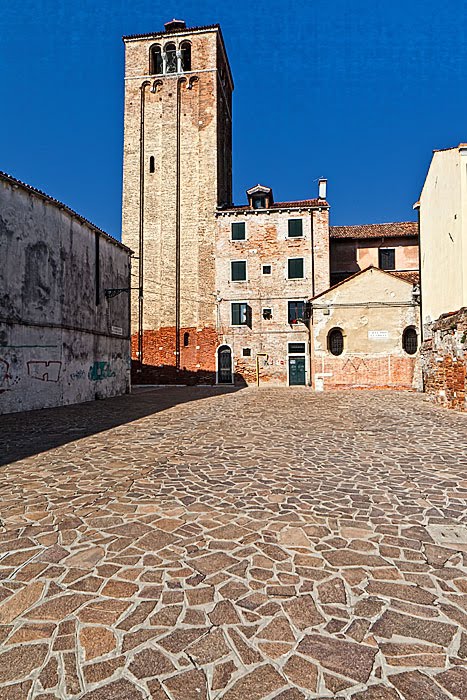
(177, 170)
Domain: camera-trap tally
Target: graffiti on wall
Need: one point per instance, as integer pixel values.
(99, 371)
(5, 376)
(45, 370)
(79, 374)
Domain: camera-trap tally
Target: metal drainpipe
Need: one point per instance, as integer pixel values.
(144, 85)
(180, 81)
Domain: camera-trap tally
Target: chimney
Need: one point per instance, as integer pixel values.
(322, 188)
(175, 24)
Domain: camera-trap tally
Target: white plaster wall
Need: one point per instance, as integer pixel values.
(443, 235)
(57, 345)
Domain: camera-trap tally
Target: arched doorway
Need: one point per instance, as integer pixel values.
(224, 365)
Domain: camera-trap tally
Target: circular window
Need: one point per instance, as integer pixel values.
(410, 340)
(336, 341)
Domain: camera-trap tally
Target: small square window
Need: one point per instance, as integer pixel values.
(246, 352)
(240, 314)
(295, 268)
(267, 269)
(387, 258)
(238, 231)
(295, 228)
(238, 270)
(267, 314)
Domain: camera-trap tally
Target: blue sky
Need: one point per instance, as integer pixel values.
(358, 91)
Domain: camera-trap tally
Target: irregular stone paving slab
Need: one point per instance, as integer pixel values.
(199, 543)
(347, 658)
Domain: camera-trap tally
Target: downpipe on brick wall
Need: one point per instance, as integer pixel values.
(144, 85)
(180, 82)
(193, 79)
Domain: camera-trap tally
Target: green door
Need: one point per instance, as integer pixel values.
(297, 370)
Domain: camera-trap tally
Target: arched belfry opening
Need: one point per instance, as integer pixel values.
(156, 64)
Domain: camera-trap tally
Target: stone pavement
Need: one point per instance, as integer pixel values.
(195, 544)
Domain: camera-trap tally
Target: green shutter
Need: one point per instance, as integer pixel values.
(295, 228)
(235, 314)
(238, 270)
(296, 268)
(238, 231)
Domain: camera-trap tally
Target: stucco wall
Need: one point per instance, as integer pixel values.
(372, 309)
(443, 234)
(59, 342)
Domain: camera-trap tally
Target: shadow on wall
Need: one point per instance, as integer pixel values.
(168, 374)
(26, 434)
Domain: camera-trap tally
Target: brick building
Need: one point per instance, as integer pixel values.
(392, 247)
(177, 171)
(221, 286)
(269, 257)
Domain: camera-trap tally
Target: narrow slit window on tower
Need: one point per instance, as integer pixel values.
(156, 64)
(152, 164)
(186, 56)
(170, 58)
(186, 339)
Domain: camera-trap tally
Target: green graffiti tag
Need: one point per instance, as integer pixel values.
(99, 371)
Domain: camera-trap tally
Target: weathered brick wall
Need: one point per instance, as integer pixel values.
(205, 182)
(360, 371)
(197, 359)
(444, 360)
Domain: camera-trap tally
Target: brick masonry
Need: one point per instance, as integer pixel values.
(444, 360)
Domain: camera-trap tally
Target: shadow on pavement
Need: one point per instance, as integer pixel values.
(33, 432)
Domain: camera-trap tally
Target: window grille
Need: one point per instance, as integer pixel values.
(410, 341)
(336, 342)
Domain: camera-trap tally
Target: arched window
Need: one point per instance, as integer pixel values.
(186, 339)
(336, 341)
(186, 56)
(410, 340)
(170, 58)
(155, 63)
(152, 165)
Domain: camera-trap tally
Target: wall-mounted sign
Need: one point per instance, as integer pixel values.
(378, 335)
(117, 330)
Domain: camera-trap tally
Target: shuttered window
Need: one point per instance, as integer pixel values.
(238, 231)
(295, 228)
(295, 268)
(238, 270)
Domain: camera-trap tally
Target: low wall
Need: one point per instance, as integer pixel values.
(444, 360)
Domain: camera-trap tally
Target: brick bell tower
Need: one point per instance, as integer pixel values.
(177, 170)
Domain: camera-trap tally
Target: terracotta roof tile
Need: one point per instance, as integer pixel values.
(301, 203)
(389, 230)
(408, 275)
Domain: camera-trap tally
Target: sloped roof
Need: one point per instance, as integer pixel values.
(46, 197)
(357, 274)
(301, 203)
(387, 230)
